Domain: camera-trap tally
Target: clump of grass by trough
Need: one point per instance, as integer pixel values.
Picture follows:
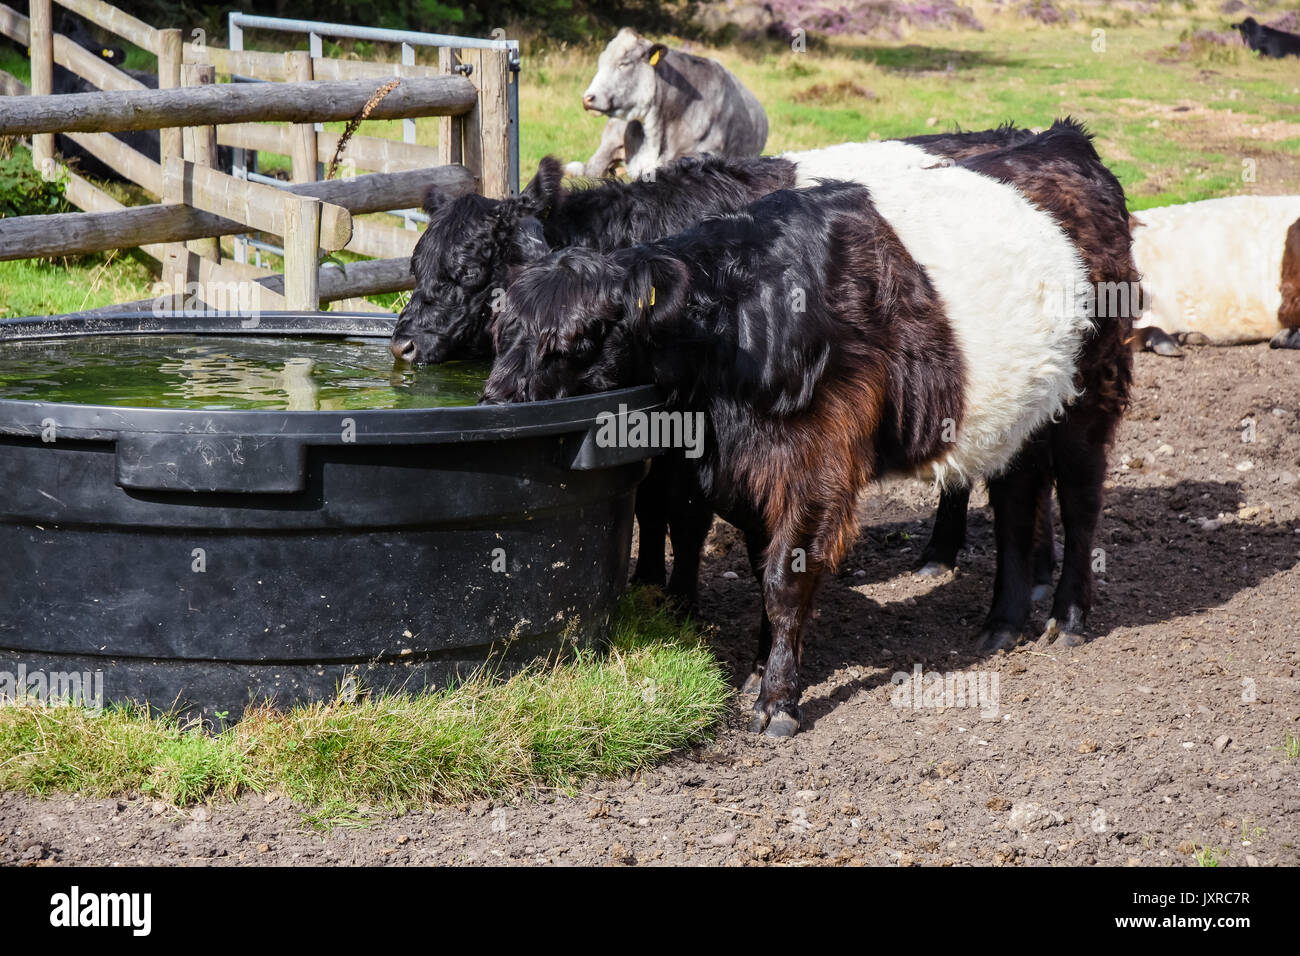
(656, 689)
(1291, 746)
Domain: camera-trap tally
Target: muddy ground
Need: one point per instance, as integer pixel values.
(1162, 739)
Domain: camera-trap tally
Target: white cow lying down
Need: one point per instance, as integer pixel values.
(1216, 268)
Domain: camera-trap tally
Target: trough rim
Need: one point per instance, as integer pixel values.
(374, 426)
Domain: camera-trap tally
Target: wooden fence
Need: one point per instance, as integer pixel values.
(468, 91)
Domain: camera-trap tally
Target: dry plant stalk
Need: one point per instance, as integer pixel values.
(375, 99)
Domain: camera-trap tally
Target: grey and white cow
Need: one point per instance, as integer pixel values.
(664, 104)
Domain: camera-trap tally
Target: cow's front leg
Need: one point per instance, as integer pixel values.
(689, 522)
(948, 536)
(789, 583)
(652, 526)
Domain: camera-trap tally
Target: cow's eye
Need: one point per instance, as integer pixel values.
(624, 65)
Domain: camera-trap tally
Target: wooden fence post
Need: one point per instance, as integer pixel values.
(302, 138)
(199, 146)
(169, 77)
(301, 252)
(450, 128)
(41, 39)
(471, 138)
(180, 266)
(494, 78)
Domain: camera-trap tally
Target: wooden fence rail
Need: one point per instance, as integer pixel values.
(229, 103)
(115, 21)
(70, 234)
(470, 90)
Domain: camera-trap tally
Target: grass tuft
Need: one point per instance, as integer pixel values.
(554, 725)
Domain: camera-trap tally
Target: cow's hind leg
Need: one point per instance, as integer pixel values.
(1014, 496)
(1286, 339)
(1044, 544)
(1080, 466)
(948, 536)
(756, 542)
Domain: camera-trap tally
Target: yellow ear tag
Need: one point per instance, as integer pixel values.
(652, 295)
(107, 53)
(654, 57)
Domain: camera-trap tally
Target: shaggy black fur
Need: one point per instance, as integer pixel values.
(802, 408)
(960, 144)
(462, 262)
(1268, 41)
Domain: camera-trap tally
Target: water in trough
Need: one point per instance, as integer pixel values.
(215, 372)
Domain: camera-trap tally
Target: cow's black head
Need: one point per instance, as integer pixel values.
(580, 322)
(462, 268)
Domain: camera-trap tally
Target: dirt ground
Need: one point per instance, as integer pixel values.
(1162, 739)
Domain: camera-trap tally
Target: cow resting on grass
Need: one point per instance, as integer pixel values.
(1220, 271)
(831, 336)
(669, 104)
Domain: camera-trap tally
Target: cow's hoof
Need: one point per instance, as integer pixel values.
(1040, 592)
(1050, 633)
(1157, 340)
(774, 720)
(1193, 338)
(996, 639)
(753, 684)
(1061, 637)
(1286, 339)
(935, 569)
(1070, 639)
(782, 725)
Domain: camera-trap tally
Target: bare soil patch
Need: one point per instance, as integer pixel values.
(1162, 738)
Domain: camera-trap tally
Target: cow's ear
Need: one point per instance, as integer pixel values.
(530, 239)
(435, 199)
(655, 292)
(542, 194)
(656, 53)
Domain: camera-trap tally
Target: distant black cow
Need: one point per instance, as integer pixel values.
(1269, 42)
(143, 141)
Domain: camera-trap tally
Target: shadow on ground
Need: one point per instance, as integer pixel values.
(1159, 567)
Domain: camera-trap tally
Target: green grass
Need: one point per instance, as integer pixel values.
(1291, 746)
(1175, 125)
(1208, 857)
(556, 725)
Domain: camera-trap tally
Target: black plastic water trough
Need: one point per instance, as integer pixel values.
(207, 558)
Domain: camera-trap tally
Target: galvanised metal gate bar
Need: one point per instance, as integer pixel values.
(409, 40)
